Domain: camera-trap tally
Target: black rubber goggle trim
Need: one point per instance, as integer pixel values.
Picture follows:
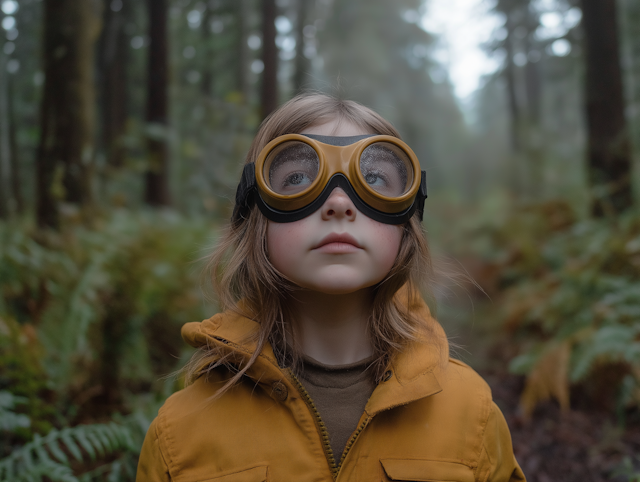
(338, 180)
(247, 195)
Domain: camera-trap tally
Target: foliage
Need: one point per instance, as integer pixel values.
(48, 455)
(89, 321)
(111, 449)
(9, 421)
(569, 300)
(627, 471)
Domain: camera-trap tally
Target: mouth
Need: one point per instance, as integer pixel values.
(338, 243)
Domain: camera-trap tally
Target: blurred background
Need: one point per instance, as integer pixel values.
(123, 127)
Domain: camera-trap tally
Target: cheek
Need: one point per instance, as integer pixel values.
(388, 239)
(283, 241)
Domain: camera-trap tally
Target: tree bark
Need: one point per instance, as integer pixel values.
(67, 110)
(113, 62)
(16, 178)
(609, 147)
(5, 152)
(157, 176)
(241, 46)
(270, 58)
(207, 65)
(512, 90)
(302, 64)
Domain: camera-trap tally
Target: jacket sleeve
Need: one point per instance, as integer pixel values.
(152, 466)
(497, 462)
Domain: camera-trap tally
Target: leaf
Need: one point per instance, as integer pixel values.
(548, 379)
(59, 455)
(71, 445)
(80, 436)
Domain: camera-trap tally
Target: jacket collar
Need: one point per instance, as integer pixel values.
(413, 374)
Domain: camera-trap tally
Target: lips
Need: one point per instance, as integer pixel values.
(337, 241)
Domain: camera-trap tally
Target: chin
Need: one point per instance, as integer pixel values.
(338, 286)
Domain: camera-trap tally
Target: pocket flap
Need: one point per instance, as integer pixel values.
(427, 470)
(256, 474)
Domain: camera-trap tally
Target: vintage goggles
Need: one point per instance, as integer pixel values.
(295, 174)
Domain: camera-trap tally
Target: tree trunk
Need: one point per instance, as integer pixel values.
(67, 110)
(157, 176)
(113, 62)
(302, 64)
(16, 178)
(512, 90)
(533, 89)
(609, 147)
(5, 152)
(270, 58)
(241, 46)
(207, 47)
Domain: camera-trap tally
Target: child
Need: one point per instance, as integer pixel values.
(326, 364)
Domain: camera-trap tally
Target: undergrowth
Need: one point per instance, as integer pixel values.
(90, 323)
(568, 292)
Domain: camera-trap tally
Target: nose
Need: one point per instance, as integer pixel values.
(338, 206)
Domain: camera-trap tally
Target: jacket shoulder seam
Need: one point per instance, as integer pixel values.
(166, 440)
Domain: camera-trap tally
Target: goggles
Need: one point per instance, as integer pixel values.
(295, 174)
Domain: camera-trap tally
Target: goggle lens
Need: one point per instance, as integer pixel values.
(291, 167)
(387, 169)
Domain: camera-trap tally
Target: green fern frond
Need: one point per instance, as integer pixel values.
(46, 455)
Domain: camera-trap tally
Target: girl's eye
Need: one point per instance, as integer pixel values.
(375, 179)
(296, 179)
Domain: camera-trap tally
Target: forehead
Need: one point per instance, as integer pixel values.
(337, 127)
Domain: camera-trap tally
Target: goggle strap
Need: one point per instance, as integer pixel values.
(245, 194)
(421, 196)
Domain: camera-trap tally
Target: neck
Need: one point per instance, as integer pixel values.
(332, 329)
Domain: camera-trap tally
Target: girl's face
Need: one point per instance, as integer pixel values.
(337, 249)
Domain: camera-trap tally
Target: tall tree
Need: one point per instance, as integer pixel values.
(609, 147)
(207, 47)
(302, 63)
(269, 101)
(241, 48)
(16, 178)
(68, 102)
(157, 175)
(113, 61)
(5, 152)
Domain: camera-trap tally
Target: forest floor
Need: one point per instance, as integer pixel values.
(582, 444)
(579, 445)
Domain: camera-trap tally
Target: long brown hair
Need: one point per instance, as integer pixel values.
(240, 267)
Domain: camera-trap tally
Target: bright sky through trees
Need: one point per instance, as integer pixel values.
(462, 26)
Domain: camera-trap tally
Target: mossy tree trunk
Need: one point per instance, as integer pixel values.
(157, 175)
(609, 146)
(66, 148)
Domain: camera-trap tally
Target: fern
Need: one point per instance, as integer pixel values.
(51, 455)
(9, 421)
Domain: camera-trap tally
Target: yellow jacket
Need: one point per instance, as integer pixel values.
(429, 420)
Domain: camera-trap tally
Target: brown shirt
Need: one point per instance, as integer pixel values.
(340, 393)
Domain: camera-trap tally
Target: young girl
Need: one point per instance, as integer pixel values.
(326, 364)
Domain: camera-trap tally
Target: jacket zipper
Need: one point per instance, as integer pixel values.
(350, 443)
(324, 433)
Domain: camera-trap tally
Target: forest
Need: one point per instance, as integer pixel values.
(123, 128)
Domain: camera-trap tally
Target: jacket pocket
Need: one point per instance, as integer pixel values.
(255, 474)
(425, 470)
